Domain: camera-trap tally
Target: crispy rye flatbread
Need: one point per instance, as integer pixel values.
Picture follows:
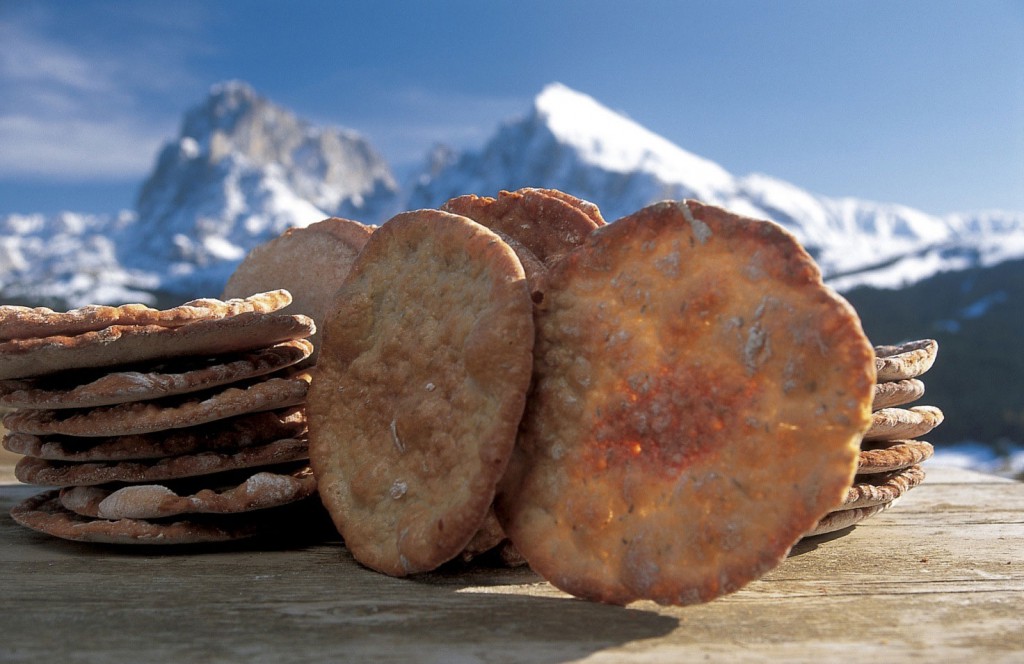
(897, 393)
(883, 456)
(907, 360)
(419, 389)
(870, 490)
(29, 323)
(45, 514)
(903, 423)
(179, 377)
(699, 399)
(309, 262)
(548, 226)
(226, 435)
(55, 473)
(127, 344)
(187, 410)
(263, 489)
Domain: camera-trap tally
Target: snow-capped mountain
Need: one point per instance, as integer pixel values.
(241, 171)
(570, 141)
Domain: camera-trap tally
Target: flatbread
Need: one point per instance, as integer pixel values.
(547, 226)
(897, 393)
(27, 323)
(836, 521)
(698, 404)
(419, 389)
(187, 410)
(586, 207)
(226, 435)
(60, 474)
(45, 514)
(908, 360)
(261, 490)
(869, 490)
(885, 456)
(183, 375)
(902, 423)
(309, 262)
(127, 344)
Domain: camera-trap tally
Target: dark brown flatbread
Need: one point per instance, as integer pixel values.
(869, 490)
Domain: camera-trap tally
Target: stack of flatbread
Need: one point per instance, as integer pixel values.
(891, 451)
(158, 426)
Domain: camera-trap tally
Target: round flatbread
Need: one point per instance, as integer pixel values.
(56, 473)
(309, 262)
(897, 393)
(698, 405)
(908, 360)
(870, 490)
(901, 423)
(129, 344)
(547, 226)
(586, 207)
(419, 389)
(883, 456)
(44, 513)
(29, 323)
(226, 435)
(186, 410)
(184, 375)
(835, 521)
(260, 490)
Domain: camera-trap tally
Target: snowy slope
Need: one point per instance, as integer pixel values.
(241, 172)
(570, 141)
(243, 169)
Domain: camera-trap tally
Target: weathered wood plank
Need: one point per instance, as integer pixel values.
(939, 576)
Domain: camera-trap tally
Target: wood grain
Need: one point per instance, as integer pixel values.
(939, 576)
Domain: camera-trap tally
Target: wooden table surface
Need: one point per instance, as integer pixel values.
(939, 577)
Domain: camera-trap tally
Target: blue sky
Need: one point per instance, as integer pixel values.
(920, 103)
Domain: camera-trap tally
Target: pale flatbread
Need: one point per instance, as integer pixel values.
(908, 360)
(45, 514)
(835, 521)
(309, 262)
(261, 490)
(27, 323)
(897, 393)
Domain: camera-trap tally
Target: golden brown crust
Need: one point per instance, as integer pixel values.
(309, 262)
(699, 400)
(547, 226)
(180, 377)
(28, 323)
(419, 389)
(586, 207)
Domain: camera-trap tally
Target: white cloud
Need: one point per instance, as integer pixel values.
(81, 110)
